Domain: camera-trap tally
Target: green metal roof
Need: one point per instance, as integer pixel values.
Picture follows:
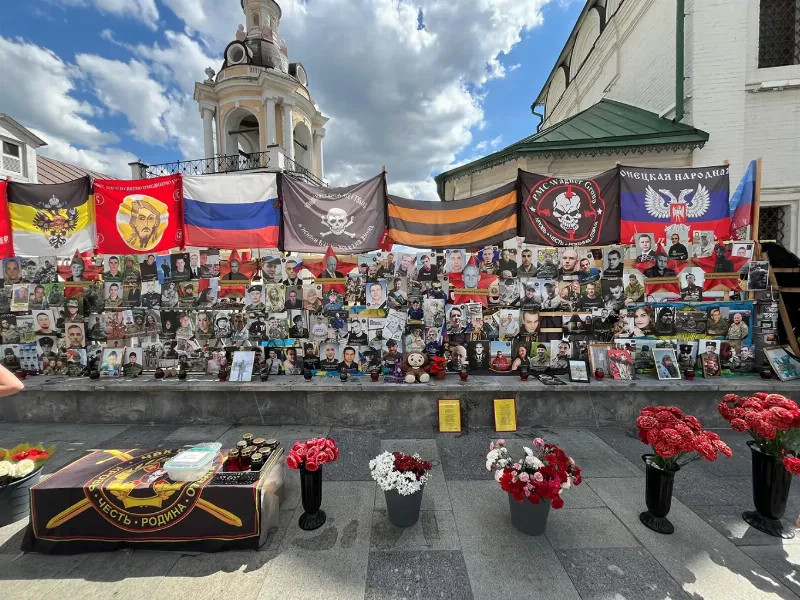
(608, 127)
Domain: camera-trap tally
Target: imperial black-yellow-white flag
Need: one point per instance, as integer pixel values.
(51, 219)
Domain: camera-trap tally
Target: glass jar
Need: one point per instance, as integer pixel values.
(232, 464)
(241, 445)
(259, 442)
(256, 461)
(245, 459)
(248, 437)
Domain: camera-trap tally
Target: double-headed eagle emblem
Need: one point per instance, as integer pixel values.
(664, 205)
(55, 222)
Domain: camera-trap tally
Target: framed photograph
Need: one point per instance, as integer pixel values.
(598, 358)
(708, 354)
(578, 371)
(242, 366)
(785, 366)
(622, 366)
(456, 260)
(758, 277)
(702, 244)
(111, 363)
(666, 363)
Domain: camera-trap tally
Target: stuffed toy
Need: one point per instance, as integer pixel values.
(415, 367)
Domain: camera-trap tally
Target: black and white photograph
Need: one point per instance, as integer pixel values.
(478, 354)
(613, 262)
(702, 244)
(677, 247)
(758, 276)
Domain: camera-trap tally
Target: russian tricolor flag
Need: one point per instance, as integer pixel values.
(231, 211)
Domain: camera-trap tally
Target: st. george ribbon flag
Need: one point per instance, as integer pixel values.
(349, 219)
(566, 211)
(231, 211)
(487, 219)
(663, 202)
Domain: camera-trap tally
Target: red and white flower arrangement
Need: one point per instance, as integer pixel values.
(311, 455)
(21, 461)
(772, 420)
(677, 439)
(543, 474)
(397, 471)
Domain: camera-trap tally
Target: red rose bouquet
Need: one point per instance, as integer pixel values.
(543, 474)
(311, 455)
(677, 439)
(21, 461)
(772, 420)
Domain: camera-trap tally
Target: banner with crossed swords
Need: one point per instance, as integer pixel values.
(122, 496)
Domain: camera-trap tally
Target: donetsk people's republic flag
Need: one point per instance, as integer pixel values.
(140, 216)
(231, 211)
(483, 220)
(349, 219)
(667, 201)
(51, 219)
(564, 211)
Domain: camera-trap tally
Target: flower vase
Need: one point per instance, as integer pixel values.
(15, 501)
(311, 496)
(658, 497)
(771, 483)
(403, 511)
(527, 517)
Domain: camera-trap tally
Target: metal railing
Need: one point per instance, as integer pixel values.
(228, 164)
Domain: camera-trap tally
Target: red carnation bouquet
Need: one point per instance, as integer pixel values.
(543, 474)
(311, 455)
(677, 439)
(772, 420)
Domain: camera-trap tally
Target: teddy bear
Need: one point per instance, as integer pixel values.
(416, 364)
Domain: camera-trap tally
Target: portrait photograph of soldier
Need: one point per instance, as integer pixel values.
(568, 265)
(758, 276)
(692, 284)
(112, 268)
(179, 265)
(677, 249)
(702, 244)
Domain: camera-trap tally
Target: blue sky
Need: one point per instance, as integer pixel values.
(123, 69)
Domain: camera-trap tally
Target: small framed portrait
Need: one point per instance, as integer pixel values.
(587, 266)
(456, 260)
(376, 295)
(642, 322)
(293, 298)
(665, 320)
(151, 294)
(12, 271)
(20, 297)
(397, 297)
(547, 263)
(742, 249)
(330, 356)
(568, 263)
(633, 281)
(478, 354)
(560, 355)
(209, 293)
(44, 322)
(786, 367)
(702, 244)
(164, 268)
(148, 267)
(272, 269)
(434, 312)
(113, 294)
(112, 267)
(718, 321)
(46, 270)
(405, 265)
(622, 367)
(356, 289)
(758, 277)
(488, 260)
(188, 294)
(111, 363)
(507, 265)
(254, 299)
(667, 366)
(222, 324)
(578, 371)
(644, 249)
(687, 355)
(531, 323)
(179, 264)
(170, 296)
(204, 326)
(357, 334)
(236, 269)
(427, 267)
(312, 297)
(500, 356)
(185, 326)
(613, 294)
(691, 281)
(677, 246)
(739, 327)
(598, 358)
(521, 353)
(209, 263)
(708, 355)
(528, 262)
(37, 297)
(242, 366)
(613, 262)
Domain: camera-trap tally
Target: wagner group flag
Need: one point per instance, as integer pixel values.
(231, 211)
(564, 211)
(139, 216)
(662, 202)
(483, 220)
(53, 219)
(348, 219)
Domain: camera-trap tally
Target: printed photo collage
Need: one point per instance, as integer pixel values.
(491, 310)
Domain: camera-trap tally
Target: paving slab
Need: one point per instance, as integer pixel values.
(222, 575)
(783, 562)
(698, 557)
(198, 433)
(415, 575)
(302, 574)
(34, 576)
(464, 455)
(604, 573)
(587, 528)
(729, 522)
(435, 530)
(147, 437)
(540, 577)
(356, 449)
(435, 496)
(593, 455)
(11, 537)
(694, 487)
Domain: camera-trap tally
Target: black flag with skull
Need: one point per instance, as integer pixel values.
(565, 211)
(349, 219)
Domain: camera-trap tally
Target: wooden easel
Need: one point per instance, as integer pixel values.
(773, 281)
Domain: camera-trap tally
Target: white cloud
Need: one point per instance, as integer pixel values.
(37, 90)
(495, 143)
(513, 68)
(109, 161)
(396, 95)
(128, 88)
(145, 11)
